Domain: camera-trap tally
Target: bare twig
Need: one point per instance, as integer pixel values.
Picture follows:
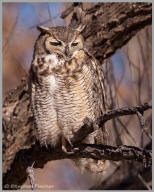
(31, 176)
(113, 95)
(11, 32)
(126, 130)
(144, 182)
(144, 60)
(50, 16)
(142, 124)
(125, 111)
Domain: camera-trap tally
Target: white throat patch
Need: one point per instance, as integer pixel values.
(52, 60)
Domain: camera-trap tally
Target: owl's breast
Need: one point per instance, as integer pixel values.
(74, 100)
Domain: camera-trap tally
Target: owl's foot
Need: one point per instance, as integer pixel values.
(64, 148)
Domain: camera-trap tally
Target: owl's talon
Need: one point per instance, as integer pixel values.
(46, 145)
(65, 150)
(75, 149)
(70, 142)
(64, 145)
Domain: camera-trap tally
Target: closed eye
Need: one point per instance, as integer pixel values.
(74, 44)
(55, 43)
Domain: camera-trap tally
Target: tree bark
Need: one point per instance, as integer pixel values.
(109, 26)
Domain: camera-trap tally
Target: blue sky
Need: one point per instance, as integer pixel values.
(28, 18)
(118, 62)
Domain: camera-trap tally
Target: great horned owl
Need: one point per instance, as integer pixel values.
(66, 86)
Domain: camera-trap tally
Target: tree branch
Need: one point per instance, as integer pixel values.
(89, 126)
(142, 124)
(109, 26)
(41, 155)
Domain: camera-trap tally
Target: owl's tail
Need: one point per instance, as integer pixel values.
(96, 167)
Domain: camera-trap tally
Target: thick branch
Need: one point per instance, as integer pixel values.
(109, 26)
(40, 156)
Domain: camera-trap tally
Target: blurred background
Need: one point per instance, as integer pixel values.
(128, 75)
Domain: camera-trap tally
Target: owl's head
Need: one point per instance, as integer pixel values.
(62, 41)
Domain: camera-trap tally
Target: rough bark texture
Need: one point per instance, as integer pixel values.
(109, 26)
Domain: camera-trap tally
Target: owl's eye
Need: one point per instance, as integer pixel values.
(74, 44)
(55, 43)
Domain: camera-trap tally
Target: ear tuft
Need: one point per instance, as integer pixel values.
(43, 29)
(80, 28)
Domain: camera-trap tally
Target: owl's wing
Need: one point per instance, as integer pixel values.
(98, 79)
(100, 135)
(100, 98)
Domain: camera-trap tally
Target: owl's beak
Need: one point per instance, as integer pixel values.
(67, 51)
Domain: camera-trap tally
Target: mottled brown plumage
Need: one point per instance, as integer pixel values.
(66, 85)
